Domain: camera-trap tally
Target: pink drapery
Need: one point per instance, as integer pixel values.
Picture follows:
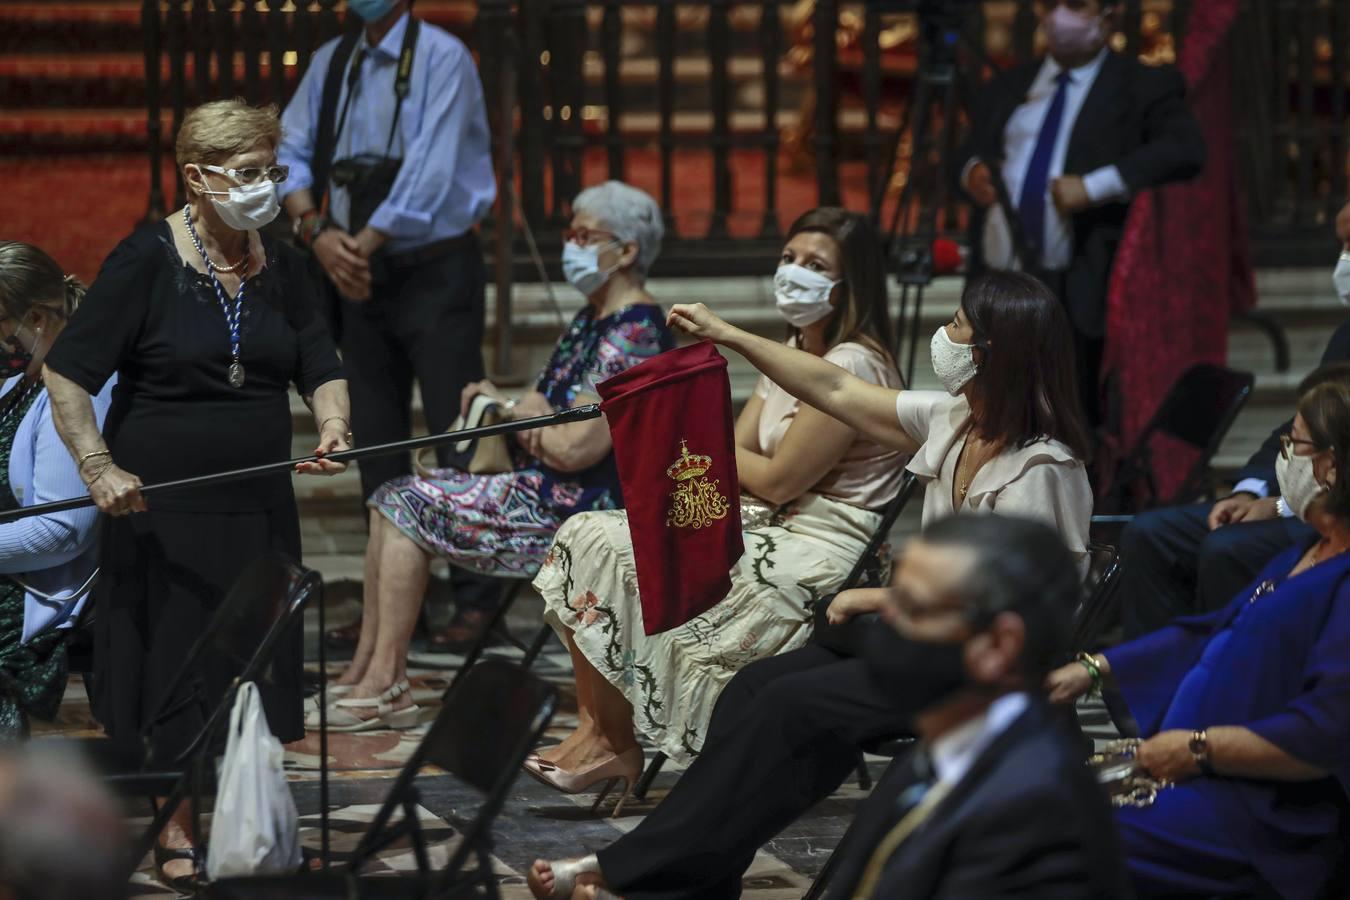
(1184, 264)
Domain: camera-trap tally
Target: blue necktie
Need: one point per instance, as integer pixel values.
(1036, 184)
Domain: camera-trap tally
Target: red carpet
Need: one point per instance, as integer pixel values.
(77, 207)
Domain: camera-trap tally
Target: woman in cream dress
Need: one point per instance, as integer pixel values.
(815, 486)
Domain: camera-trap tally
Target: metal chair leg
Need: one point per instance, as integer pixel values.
(536, 646)
(864, 776)
(645, 782)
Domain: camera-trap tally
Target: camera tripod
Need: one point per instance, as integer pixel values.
(914, 223)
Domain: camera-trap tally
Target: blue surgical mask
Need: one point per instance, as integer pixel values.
(371, 10)
(581, 267)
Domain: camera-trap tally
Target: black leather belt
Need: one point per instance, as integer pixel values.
(431, 252)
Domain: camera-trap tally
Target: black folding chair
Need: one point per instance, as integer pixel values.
(493, 715)
(870, 570)
(263, 606)
(1198, 410)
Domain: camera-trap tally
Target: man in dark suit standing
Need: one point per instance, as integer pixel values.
(1073, 138)
(995, 800)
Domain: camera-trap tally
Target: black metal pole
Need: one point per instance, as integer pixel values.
(576, 414)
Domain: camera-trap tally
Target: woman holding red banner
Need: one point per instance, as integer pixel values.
(810, 484)
(1006, 437)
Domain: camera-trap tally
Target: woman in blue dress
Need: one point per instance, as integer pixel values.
(503, 524)
(1246, 711)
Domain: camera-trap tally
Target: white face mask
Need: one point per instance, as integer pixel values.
(1298, 484)
(803, 296)
(248, 207)
(953, 363)
(1341, 278)
(581, 267)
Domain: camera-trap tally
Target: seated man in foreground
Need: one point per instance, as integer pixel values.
(995, 800)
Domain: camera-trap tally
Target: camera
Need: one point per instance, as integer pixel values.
(368, 179)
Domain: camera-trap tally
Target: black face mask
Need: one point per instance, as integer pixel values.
(917, 674)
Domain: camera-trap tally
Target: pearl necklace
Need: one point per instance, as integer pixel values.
(192, 232)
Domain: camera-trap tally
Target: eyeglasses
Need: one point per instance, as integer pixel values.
(1287, 442)
(583, 237)
(253, 174)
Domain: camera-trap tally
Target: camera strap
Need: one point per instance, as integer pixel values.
(325, 141)
(325, 147)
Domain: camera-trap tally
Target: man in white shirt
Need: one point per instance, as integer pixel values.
(1074, 138)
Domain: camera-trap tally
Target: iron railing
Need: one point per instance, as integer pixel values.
(737, 115)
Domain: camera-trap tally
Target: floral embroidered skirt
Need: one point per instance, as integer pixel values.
(672, 679)
(494, 524)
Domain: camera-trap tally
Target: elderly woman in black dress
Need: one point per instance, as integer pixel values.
(207, 323)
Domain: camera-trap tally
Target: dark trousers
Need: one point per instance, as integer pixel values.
(1173, 565)
(423, 322)
(784, 735)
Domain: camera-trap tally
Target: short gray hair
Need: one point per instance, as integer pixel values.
(630, 213)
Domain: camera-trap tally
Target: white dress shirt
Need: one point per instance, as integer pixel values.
(954, 752)
(1103, 185)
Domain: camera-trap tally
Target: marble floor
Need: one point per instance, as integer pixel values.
(535, 821)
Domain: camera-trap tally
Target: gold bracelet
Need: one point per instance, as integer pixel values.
(340, 419)
(90, 483)
(90, 455)
(1087, 661)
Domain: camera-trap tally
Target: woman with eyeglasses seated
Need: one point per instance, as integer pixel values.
(207, 323)
(1246, 711)
(502, 524)
(47, 562)
(1005, 436)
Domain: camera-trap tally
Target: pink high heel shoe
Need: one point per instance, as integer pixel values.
(625, 767)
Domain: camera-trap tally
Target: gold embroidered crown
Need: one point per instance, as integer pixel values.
(689, 465)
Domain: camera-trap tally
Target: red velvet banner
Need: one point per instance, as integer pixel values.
(675, 445)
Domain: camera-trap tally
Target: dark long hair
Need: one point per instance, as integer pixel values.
(1026, 387)
(1326, 411)
(862, 314)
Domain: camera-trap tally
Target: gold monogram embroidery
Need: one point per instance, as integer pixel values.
(696, 502)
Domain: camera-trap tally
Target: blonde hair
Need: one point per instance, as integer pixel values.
(213, 132)
(29, 278)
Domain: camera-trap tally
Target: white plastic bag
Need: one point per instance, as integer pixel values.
(255, 829)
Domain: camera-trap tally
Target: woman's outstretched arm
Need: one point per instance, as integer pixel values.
(866, 407)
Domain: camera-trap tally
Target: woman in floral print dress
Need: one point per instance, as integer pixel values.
(503, 524)
(813, 486)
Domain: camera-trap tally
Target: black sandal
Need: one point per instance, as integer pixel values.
(183, 884)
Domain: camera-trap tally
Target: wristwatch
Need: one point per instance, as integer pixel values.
(1199, 747)
(309, 226)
